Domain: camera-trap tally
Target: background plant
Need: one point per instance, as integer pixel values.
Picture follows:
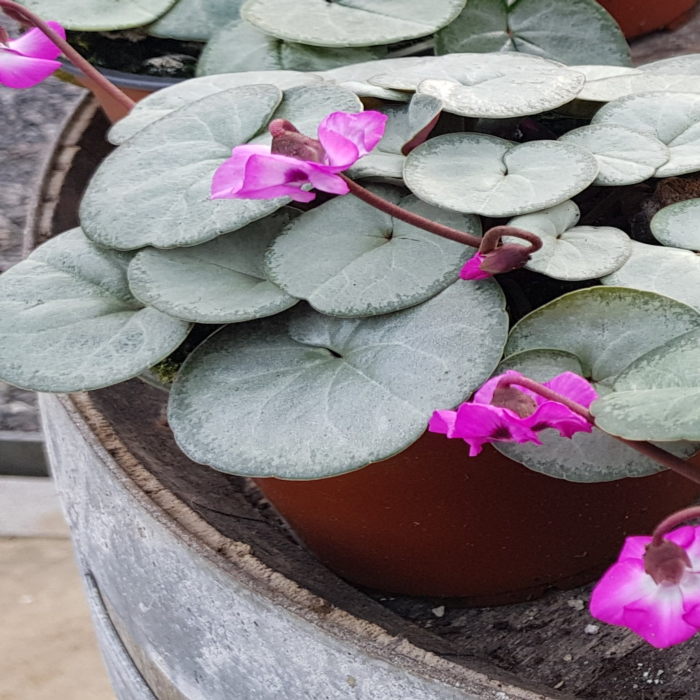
(316, 35)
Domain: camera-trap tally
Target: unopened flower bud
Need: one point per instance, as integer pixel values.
(288, 141)
(515, 400)
(508, 257)
(666, 562)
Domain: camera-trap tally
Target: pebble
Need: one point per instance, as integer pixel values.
(438, 612)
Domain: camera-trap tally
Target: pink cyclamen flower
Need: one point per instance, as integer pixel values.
(295, 161)
(26, 61)
(514, 414)
(654, 590)
(472, 269)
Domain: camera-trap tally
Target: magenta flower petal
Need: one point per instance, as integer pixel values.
(634, 547)
(622, 584)
(18, 71)
(574, 387)
(326, 181)
(472, 270)
(443, 422)
(347, 137)
(253, 172)
(478, 424)
(36, 44)
(555, 415)
(659, 617)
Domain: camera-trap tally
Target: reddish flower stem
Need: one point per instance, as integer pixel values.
(22, 14)
(666, 459)
(673, 521)
(439, 229)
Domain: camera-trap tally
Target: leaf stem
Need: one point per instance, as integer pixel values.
(22, 14)
(666, 459)
(490, 238)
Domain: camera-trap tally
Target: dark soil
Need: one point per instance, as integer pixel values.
(135, 52)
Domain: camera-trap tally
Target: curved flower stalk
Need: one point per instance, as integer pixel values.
(294, 161)
(501, 413)
(654, 587)
(30, 59)
(37, 49)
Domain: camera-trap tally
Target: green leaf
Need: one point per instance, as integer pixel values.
(678, 225)
(355, 77)
(161, 103)
(671, 117)
(625, 157)
(99, 15)
(365, 262)
(307, 106)
(239, 47)
(677, 65)
(68, 321)
(636, 82)
(587, 457)
(669, 271)
(155, 189)
(498, 85)
(476, 173)
(606, 328)
(349, 22)
(344, 393)
(571, 252)
(657, 397)
(195, 20)
(580, 32)
(221, 281)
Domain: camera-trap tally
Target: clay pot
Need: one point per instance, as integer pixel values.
(637, 17)
(432, 521)
(135, 86)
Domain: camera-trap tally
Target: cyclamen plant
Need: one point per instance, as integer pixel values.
(398, 319)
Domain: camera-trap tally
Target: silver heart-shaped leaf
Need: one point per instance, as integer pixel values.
(221, 281)
(68, 321)
(678, 225)
(196, 20)
(239, 47)
(657, 397)
(163, 102)
(365, 262)
(498, 85)
(587, 457)
(99, 15)
(581, 32)
(571, 252)
(349, 22)
(345, 392)
(476, 173)
(606, 328)
(669, 271)
(673, 118)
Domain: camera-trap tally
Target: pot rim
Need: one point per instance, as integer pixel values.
(122, 79)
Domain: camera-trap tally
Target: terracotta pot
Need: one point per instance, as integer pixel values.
(135, 86)
(433, 521)
(637, 17)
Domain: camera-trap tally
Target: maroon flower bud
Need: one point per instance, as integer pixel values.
(666, 562)
(288, 141)
(508, 257)
(515, 400)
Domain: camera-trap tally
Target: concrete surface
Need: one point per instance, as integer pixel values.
(47, 646)
(29, 507)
